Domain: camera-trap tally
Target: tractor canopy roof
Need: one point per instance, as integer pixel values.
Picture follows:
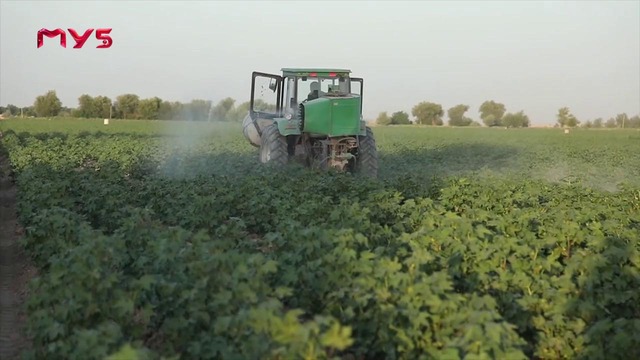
(315, 72)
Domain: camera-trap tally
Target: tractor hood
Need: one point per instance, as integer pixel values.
(332, 116)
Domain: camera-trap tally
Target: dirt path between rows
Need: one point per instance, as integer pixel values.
(15, 271)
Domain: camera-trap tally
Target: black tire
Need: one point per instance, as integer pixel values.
(273, 146)
(367, 159)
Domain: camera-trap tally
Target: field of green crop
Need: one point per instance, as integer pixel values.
(170, 240)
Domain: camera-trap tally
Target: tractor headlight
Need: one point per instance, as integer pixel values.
(288, 116)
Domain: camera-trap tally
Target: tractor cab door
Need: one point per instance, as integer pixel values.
(356, 88)
(266, 96)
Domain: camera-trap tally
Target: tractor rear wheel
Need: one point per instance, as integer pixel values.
(367, 160)
(273, 146)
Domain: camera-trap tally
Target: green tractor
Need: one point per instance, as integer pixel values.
(314, 117)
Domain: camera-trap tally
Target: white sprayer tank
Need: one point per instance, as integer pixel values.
(249, 129)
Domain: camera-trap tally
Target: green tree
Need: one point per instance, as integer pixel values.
(566, 119)
(11, 110)
(102, 106)
(238, 113)
(598, 123)
(92, 107)
(221, 111)
(516, 120)
(127, 105)
(400, 118)
(428, 113)
(150, 108)
(85, 107)
(15, 111)
(622, 120)
(383, 119)
(47, 104)
(170, 110)
(164, 112)
(491, 113)
(634, 122)
(196, 110)
(241, 111)
(456, 115)
(610, 124)
(28, 111)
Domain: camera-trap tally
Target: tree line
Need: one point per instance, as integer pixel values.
(131, 106)
(428, 113)
(492, 114)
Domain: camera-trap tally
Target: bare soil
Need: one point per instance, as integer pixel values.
(16, 270)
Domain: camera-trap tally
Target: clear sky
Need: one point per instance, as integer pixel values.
(534, 56)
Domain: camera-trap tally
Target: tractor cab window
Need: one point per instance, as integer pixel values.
(314, 87)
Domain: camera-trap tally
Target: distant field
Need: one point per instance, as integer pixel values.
(473, 243)
(601, 158)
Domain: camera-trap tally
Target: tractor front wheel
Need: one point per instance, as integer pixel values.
(367, 159)
(273, 147)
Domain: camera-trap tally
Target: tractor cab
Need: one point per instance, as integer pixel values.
(299, 85)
